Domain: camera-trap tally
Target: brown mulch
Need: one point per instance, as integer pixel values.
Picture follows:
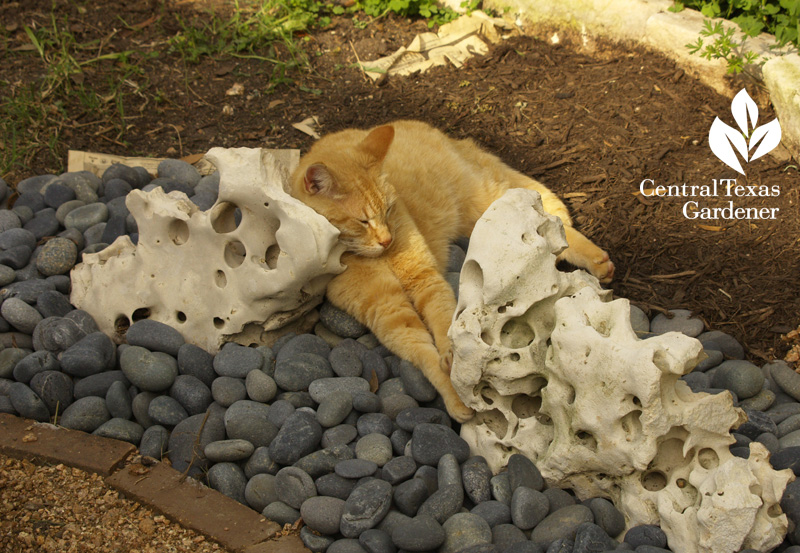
(590, 124)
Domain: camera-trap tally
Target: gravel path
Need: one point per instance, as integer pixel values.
(66, 510)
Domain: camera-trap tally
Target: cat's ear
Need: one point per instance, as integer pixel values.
(318, 180)
(378, 141)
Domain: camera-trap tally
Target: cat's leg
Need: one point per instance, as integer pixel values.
(372, 293)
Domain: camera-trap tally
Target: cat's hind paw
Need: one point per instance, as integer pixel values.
(458, 411)
(603, 268)
(446, 361)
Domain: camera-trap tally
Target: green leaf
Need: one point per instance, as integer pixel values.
(677, 7)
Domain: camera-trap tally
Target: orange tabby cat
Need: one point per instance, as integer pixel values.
(400, 194)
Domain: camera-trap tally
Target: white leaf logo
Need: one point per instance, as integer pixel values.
(725, 141)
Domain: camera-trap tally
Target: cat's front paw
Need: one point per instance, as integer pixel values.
(603, 268)
(459, 411)
(446, 360)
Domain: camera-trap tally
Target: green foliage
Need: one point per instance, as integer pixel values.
(723, 47)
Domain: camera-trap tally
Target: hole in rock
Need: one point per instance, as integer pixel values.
(487, 338)
(654, 481)
(516, 333)
(631, 424)
(271, 256)
(495, 422)
(218, 323)
(181, 316)
(220, 279)
(141, 313)
(570, 395)
(774, 510)
(502, 308)
(543, 419)
(178, 232)
(514, 356)
(234, 254)
(587, 439)
(525, 406)
(225, 217)
(121, 325)
(708, 458)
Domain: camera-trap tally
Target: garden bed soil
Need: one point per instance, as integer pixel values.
(591, 124)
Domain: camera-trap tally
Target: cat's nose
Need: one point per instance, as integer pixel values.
(386, 242)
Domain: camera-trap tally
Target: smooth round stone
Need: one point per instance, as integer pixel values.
(501, 488)
(54, 388)
(7, 274)
(788, 458)
(339, 322)
(114, 188)
(563, 523)
(607, 517)
(44, 223)
(33, 364)
(591, 537)
(506, 535)
(98, 384)
(16, 257)
(154, 442)
(421, 533)
(678, 320)
(281, 513)
(57, 256)
(260, 491)
(697, 381)
(334, 408)
(464, 530)
(727, 344)
(34, 184)
(299, 436)
(522, 472)
(323, 461)
(191, 393)
(85, 414)
(448, 472)
(408, 419)
(346, 546)
(376, 541)
(9, 220)
(410, 495)
(366, 402)
(780, 413)
(52, 303)
(260, 463)
(90, 355)
(279, 411)
(342, 434)
(14, 237)
(152, 372)
(227, 390)
(66, 208)
(400, 440)
(124, 172)
(24, 212)
(398, 469)
(20, 315)
(166, 411)
(180, 171)
(646, 534)
(119, 401)
(786, 379)
(390, 387)
(762, 401)
(741, 377)
(113, 229)
(237, 361)
(790, 440)
(443, 503)
(322, 514)
(320, 388)
(430, 441)
(345, 358)
(248, 420)
(197, 362)
(297, 372)
(27, 403)
(757, 423)
(558, 498)
(374, 365)
(415, 383)
(528, 507)
(294, 486)
(228, 451)
(365, 507)
(121, 429)
(786, 426)
(301, 344)
(228, 479)
(374, 447)
(476, 477)
(86, 216)
(155, 336)
(33, 200)
(9, 358)
(493, 512)
(713, 358)
(260, 386)
(639, 321)
(355, 468)
(374, 423)
(184, 443)
(140, 405)
(334, 485)
(395, 404)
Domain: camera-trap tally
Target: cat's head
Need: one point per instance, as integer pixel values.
(341, 179)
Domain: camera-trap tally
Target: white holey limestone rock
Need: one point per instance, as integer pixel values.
(555, 372)
(211, 277)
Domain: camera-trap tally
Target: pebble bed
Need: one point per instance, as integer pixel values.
(298, 429)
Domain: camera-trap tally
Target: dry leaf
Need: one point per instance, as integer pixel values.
(308, 126)
(373, 382)
(711, 228)
(236, 90)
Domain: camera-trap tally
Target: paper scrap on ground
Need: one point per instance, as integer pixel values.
(455, 42)
(97, 163)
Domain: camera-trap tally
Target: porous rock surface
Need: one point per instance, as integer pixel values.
(555, 372)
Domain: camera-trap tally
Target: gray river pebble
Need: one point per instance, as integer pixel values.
(83, 217)
(260, 490)
(152, 372)
(228, 479)
(249, 420)
(121, 429)
(298, 436)
(365, 507)
(237, 361)
(294, 486)
(27, 403)
(20, 315)
(322, 514)
(228, 451)
(323, 386)
(57, 257)
(155, 336)
(166, 411)
(86, 414)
